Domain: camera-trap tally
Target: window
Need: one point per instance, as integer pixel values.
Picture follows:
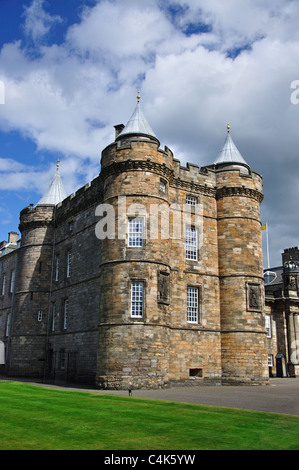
(191, 243)
(162, 186)
(65, 313)
(3, 284)
(191, 200)
(12, 281)
(268, 326)
(62, 359)
(195, 372)
(137, 296)
(135, 232)
(56, 267)
(270, 360)
(192, 304)
(8, 325)
(53, 316)
(69, 264)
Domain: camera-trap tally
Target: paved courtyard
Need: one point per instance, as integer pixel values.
(281, 396)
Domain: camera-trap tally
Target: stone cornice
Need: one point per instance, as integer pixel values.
(33, 224)
(160, 169)
(243, 191)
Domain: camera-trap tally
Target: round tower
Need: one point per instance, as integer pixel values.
(33, 283)
(243, 336)
(135, 266)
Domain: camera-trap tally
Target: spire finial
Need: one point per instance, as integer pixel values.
(57, 164)
(138, 96)
(228, 127)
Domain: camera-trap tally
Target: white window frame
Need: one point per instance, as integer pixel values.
(268, 326)
(65, 313)
(53, 316)
(136, 229)
(191, 243)
(192, 304)
(57, 267)
(270, 360)
(162, 186)
(3, 284)
(191, 200)
(69, 264)
(8, 320)
(12, 281)
(137, 299)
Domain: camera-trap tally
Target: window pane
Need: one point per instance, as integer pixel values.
(191, 243)
(137, 299)
(268, 325)
(69, 264)
(191, 200)
(192, 304)
(135, 236)
(65, 313)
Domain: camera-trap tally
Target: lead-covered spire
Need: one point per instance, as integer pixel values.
(137, 124)
(55, 192)
(229, 152)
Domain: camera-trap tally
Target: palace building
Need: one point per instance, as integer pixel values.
(151, 275)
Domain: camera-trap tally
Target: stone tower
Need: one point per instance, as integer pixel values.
(33, 283)
(150, 285)
(239, 194)
(134, 342)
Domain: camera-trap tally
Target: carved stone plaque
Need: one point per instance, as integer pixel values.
(254, 300)
(163, 287)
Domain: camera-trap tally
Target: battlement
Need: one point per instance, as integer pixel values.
(83, 198)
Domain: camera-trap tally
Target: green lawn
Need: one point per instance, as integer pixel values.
(34, 417)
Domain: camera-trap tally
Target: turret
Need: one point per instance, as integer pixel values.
(134, 266)
(239, 195)
(33, 283)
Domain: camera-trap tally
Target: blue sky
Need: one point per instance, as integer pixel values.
(71, 70)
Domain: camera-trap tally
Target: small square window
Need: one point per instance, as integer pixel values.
(191, 200)
(195, 372)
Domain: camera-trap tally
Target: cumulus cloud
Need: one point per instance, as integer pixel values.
(199, 64)
(37, 21)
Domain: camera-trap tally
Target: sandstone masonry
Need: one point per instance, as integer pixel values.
(133, 310)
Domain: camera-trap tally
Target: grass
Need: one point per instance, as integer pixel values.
(39, 418)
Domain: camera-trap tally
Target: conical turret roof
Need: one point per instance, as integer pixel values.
(229, 152)
(137, 124)
(55, 192)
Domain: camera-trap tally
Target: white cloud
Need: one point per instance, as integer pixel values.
(37, 22)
